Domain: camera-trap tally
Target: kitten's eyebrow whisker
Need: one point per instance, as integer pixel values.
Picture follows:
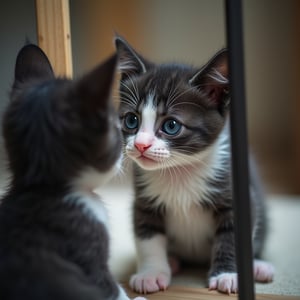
(204, 85)
(128, 101)
(134, 96)
(129, 96)
(135, 88)
(176, 96)
(189, 103)
(126, 98)
(173, 96)
(172, 92)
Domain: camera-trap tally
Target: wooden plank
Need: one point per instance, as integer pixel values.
(179, 292)
(54, 36)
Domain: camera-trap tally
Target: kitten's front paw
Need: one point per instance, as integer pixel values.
(224, 282)
(263, 271)
(150, 281)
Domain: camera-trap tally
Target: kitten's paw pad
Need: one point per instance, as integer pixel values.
(224, 282)
(150, 281)
(263, 271)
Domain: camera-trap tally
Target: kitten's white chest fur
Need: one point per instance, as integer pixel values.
(190, 227)
(91, 204)
(190, 235)
(83, 192)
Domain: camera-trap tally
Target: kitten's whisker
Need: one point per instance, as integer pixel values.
(172, 92)
(134, 96)
(134, 87)
(128, 101)
(184, 162)
(177, 95)
(188, 103)
(206, 84)
(129, 96)
(195, 160)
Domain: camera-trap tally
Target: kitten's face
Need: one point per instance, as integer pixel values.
(170, 114)
(55, 129)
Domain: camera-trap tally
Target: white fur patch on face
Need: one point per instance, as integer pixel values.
(157, 149)
(148, 115)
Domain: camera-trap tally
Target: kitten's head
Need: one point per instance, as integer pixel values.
(171, 114)
(60, 131)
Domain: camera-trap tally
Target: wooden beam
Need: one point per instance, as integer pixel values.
(54, 36)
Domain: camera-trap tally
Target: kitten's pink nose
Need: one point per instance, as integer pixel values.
(142, 147)
(143, 141)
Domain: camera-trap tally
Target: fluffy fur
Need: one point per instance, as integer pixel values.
(63, 140)
(174, 121)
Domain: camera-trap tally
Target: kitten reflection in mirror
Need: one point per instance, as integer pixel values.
(175, 130)
(63, 140)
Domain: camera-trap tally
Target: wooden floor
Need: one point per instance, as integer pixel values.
(177, 292)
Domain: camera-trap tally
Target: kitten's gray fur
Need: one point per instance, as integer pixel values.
(63, 140)
(183, 194)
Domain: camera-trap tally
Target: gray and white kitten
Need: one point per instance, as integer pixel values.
(174, 122)
(63, 140)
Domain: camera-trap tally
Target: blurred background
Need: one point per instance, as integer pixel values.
(190, 31)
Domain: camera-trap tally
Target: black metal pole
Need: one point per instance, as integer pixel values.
(239, 144)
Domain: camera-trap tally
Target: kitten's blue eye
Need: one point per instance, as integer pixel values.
(131, 121)
(171, 127)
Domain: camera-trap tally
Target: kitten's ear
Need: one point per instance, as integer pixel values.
(130, 62)
(212, 79)
(94, 88)
(32, 64)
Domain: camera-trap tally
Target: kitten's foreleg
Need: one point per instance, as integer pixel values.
(153, 272)
(222, 274)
